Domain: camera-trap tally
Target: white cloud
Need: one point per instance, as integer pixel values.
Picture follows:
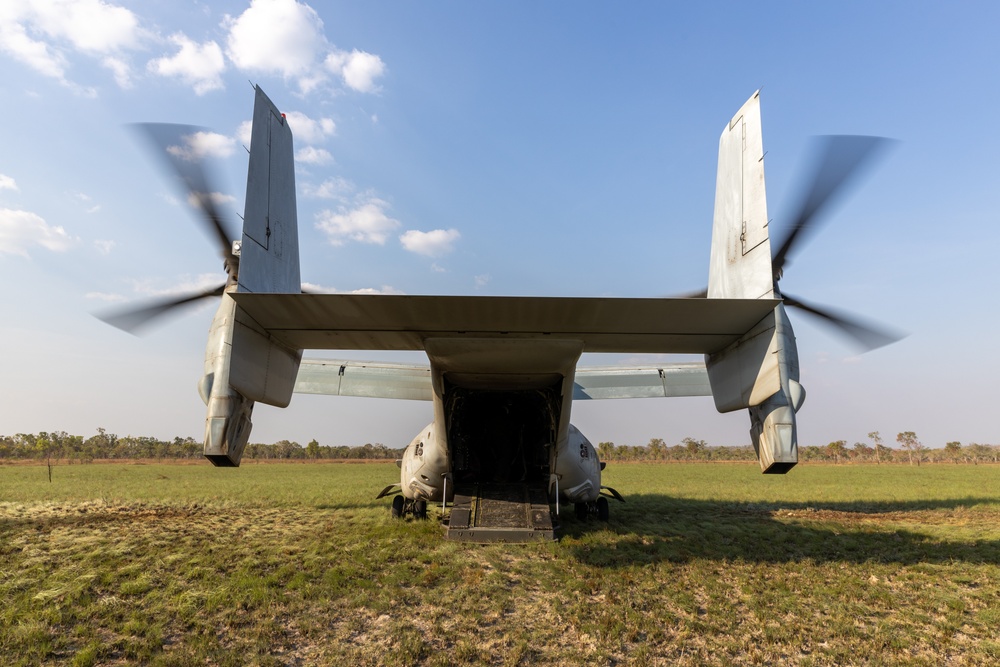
(244, 132)
(385, 289)
(367, 222)
(92, 26)
(120, 70)
(358, 69)
(437, 268)
(218, 198)
(203, 144)
(432, 244)
(21, 229)
(198, 65)
(104, 296)
(313, 155)
(320, 289)
(38, 55)
(285, 37)
(482, 280)
(39, 33)
(331, 188)
(104, 247)
(8, 183)
(308, 130)
(277, 37)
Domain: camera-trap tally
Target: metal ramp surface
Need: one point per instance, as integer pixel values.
(493, 512)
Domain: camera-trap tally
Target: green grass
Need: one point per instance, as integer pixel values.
(298, 564)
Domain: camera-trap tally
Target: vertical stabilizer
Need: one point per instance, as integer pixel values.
(269, 256)
(740, 266)
(243, 364)
(760, 371)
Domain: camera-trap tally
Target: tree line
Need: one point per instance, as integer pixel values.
(76, 449)
(911, 450)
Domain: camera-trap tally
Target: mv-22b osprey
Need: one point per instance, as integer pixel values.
(502, 372)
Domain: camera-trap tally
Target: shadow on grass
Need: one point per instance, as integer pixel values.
(654, 528)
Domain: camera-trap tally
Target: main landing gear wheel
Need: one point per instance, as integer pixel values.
(397, 507)
(602, 508)
(597, 507)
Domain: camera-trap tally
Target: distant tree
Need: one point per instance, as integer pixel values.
(694, 447)
(879, 447)
(976, 452)
(908, 441)
(605, 450)
(837, 449)
(656, 448)
(863, 451)
(312, 449)
(954, 450)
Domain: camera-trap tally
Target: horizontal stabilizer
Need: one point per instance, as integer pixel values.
(405, 322)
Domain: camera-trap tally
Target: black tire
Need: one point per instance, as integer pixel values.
(397, 507)
(582, 510)
(603, 512)
(420, 509)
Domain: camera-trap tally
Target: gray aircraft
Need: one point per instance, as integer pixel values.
(502, 372)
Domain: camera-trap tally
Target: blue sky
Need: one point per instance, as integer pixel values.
(504, 148)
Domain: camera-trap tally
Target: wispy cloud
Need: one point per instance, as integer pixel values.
(320, 289)
(313, 155)
(203, 144)
(107, 297)
(332, 188)
(20, 230)
(8, 183)
(104, 247)
(42, 34)
(310, 130)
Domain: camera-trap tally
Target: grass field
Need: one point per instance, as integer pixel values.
(297, 564)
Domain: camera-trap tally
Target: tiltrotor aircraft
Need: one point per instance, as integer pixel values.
(502, 372)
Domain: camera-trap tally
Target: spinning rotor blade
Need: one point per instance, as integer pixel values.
(134, 318)
(182, 146)
(866, 336)
(840, 158)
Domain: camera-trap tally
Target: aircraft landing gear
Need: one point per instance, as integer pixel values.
(598, 508)
(420, 509)
(402, 506)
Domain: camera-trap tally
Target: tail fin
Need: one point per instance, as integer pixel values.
(269, 256)
(740, 266)
(243, 365)
(760, 371)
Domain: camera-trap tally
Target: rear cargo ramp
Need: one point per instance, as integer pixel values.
(508, 512)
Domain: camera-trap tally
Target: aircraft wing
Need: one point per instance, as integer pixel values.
(364, 378)
(404, 322)
(413, 381)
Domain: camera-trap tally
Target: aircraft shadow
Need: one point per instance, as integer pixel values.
(654, 528)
